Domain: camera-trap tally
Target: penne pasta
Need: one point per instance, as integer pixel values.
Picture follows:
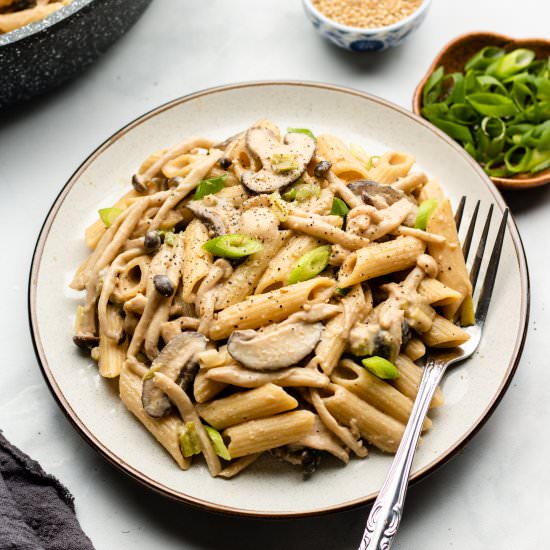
(376, 392)
(410, 375)
(266, 400)
(444, 334)
(379, 429)
(165, 430)
(271, 307)
(260, 435)
(380, 259)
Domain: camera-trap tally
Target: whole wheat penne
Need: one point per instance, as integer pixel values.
(334, 337)
(276, 274)
(270, 307)
(380, 259)
(266, 400)
(436, 293)
(268, 433)
(444, 334)
(415, 349)
(165, 430)
(390, 167)
(376, 427)
(204, 388)
(374, 391)
(111, 353)
(409, 378)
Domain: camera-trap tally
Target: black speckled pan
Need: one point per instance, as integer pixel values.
(42, 55)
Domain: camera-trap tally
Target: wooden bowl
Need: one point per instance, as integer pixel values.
(453, 57)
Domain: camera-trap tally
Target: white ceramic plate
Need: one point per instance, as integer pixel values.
(269, 489)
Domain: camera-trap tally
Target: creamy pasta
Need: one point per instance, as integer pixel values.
(270, 294)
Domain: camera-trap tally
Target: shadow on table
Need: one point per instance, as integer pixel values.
(520, 202)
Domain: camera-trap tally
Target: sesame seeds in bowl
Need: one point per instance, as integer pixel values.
(366, 25)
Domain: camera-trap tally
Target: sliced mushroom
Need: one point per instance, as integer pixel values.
(86, 341)
(265, 147)
(275, 347)
(178, 361)
(218, 214)
(376, 194)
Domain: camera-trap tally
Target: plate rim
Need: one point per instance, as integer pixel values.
(194, 501)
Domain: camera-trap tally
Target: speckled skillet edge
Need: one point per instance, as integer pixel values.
(167, 491)
(43, 24)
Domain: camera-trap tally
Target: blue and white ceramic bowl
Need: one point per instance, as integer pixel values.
(358, 39)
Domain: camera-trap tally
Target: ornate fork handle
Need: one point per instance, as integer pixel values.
(386, 511)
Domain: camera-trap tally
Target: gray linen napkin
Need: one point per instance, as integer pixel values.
(36, 511)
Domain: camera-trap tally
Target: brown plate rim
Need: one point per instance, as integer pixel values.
(128, 469)
(516, 183)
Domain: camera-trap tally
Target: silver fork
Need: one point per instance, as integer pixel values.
(386, 512)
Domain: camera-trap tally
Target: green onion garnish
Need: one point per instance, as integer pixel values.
(233, 246)
(380, 367)
(109, 215)
(425, 210)
(302, 192)
(189, 441)
(209, 186)
(339, 208)
(217, 442)
(284, 162)
(305, 131)
(310, 265)
(170, 238)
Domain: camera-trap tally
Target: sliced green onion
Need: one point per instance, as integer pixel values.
(210, 186)
(496, 168)
(305, 131)
(380, 367)
(511, 63)
(109, 215)
(284, 162)
(217, 442)
(435, 111)
(482, 59)
(540, 160)
(339, 208)
(310, 265)
(463, 113)
(278, 206)
(454, 90)
(425, 210)
(371, 161)
(302, 192)
(189, 440)
(305, 191)
(490, 138)
(518, 158)
(457, 131)
(490, 84)
(170, 238)
(433, 87)
(494, 105)
(498, 109)
(233, 246)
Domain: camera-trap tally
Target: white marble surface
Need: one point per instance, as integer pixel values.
(493, 495)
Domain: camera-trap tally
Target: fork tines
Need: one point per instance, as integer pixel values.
(492, 266)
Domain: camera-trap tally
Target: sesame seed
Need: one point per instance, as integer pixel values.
(367, 13)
